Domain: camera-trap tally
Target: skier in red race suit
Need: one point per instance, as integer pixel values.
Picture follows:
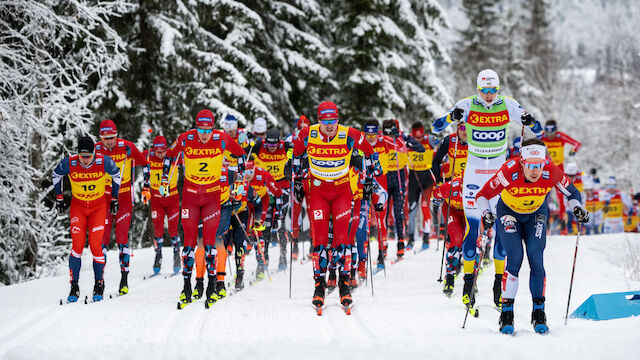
(88, 174)
(126, 155)
(202, 150)
(162, 206)
(301, 123)
(329, 147)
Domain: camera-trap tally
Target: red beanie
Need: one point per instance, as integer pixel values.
(327, 111)
(302, 120)
(108, 128)
(204, 118)
(159, 143)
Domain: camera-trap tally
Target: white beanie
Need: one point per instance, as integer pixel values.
(260, 125)
(488, 78)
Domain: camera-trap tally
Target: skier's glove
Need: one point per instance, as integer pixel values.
(298, 190)
(437, 201)
(257, 225)
(114, 206)
(378, 207)
(572, 152)
(164, 188)
(457, 114)
(488, 219)
(367, 190)
(146, 194)
(527, 119)
(581, 214)
(60, 206)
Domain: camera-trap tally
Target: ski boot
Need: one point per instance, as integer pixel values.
(538, 317)
(497, 290)
(124, 283)
(353, 282)
(74, 294)
(98, 290)
(185, 295)
(381, 257)
(345, 291)
(467, 297)
(157, 263)
(212, 295)
(425, 242)
(177, 262)
(410, 242)
(331, 283)
(198, 290)
(448, 285)
(506, 317)
(260, 271)
(362, 269)
(318, 295)
(282, 262)
(239, 283)
(221, 290)
(400, 251)
(295, 252)
(486, 260)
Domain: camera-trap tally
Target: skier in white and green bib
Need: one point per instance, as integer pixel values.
(487, 117)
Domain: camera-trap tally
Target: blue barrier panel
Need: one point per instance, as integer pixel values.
(609, 306)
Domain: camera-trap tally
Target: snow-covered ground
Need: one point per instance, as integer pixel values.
(407, 318)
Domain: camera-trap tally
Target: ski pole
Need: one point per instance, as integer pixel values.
(368, 205)
(573, 270)
(446, 219)
(290, 232)
(395, 147)
(475, 275)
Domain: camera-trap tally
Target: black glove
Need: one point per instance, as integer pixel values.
(114, 206)
(457, 114)
(367, 189)
(60, 206)
(437, 201)
(527, 119)
(581, 214)
(378, 207)
(488, 219)
(298, 190)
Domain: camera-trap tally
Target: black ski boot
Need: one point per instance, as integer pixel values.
(296, 251)
(212, 295)
(260, 271)
(506, 317)
(74, 294)
(467, 297)
(331, 283)
(345, 291)
(282, 262)
(448, 285)
(353, 280)
(497, 290)
(157, 263)
(318, 293)
(177, 262)
(538, 317)
(124, 283)
(185, 295)
(98, 290)
(221, 290)
(239, 283)
(400, 251)
(198, 290)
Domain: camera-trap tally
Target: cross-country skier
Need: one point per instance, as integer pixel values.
(301, 123)
(522, 213)
(420, 183)
(329, 147)
(594, 206)
(162, 206)
(202, 150)
(88, 174)
(617, 204)
(126, 155)
(487, 117)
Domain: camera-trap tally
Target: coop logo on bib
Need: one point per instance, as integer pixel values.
(486, 136)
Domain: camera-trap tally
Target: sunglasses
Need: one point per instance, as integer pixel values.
(462, 127)
(249, 172)
(107, 137)
(86, 155)
(205, 131)
(550, 128)
(533, 166)
(488, 90)
(329, 122)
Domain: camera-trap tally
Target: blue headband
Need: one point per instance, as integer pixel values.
(371, 129)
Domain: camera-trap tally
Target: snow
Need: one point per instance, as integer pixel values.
(407, 318)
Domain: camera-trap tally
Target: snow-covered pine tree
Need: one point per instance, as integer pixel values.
(384, 58)
(479, 46)
(50, 50)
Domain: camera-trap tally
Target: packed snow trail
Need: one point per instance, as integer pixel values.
(409, 317)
